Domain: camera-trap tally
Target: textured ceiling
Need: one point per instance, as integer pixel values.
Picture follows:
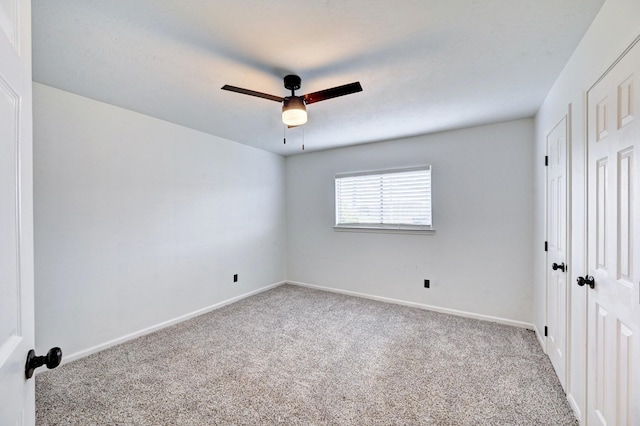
(425, 65)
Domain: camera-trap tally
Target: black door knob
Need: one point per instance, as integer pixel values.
(51, 360)
(561, 266)
(588, 280)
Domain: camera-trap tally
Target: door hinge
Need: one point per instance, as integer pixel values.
(546, 331)
(546, 160)
(546, 246)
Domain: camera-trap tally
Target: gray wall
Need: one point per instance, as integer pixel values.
(139, 221)
(478, 260)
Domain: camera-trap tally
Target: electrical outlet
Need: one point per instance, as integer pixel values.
(426, 284)
(235, 278)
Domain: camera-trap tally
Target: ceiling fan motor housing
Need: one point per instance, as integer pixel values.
(292, 82)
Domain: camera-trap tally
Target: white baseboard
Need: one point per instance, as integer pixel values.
(576, 409)
(541, 339)
(148, 330)
(151, 329)
(420, 305)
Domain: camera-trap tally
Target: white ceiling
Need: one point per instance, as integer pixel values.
(425, 65)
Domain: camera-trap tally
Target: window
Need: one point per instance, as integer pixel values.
(397, 199)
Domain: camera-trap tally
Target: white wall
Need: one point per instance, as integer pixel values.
(139, 221)
(615, 27)
(478, 260)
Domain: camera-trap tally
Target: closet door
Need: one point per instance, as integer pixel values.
(557, 269)
(613, 322)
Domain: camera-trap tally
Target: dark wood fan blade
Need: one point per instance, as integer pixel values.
(334, 92)
(252, 93)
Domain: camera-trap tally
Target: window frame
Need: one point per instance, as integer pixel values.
(384, 228)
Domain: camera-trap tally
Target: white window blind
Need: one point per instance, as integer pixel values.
(394, 199)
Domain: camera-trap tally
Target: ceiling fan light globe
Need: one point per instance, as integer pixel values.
(294, 117)
(294, 112)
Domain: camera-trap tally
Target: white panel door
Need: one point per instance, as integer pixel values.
(16, 214)
(557, 248)
(613, 373)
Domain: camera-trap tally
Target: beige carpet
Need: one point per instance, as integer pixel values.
(299, 356)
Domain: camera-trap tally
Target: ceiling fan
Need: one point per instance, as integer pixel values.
(294, 111)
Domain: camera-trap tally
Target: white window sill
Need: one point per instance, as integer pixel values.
(385, 230)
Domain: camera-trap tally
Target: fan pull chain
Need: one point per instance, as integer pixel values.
(303, 138)
(284, 133)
